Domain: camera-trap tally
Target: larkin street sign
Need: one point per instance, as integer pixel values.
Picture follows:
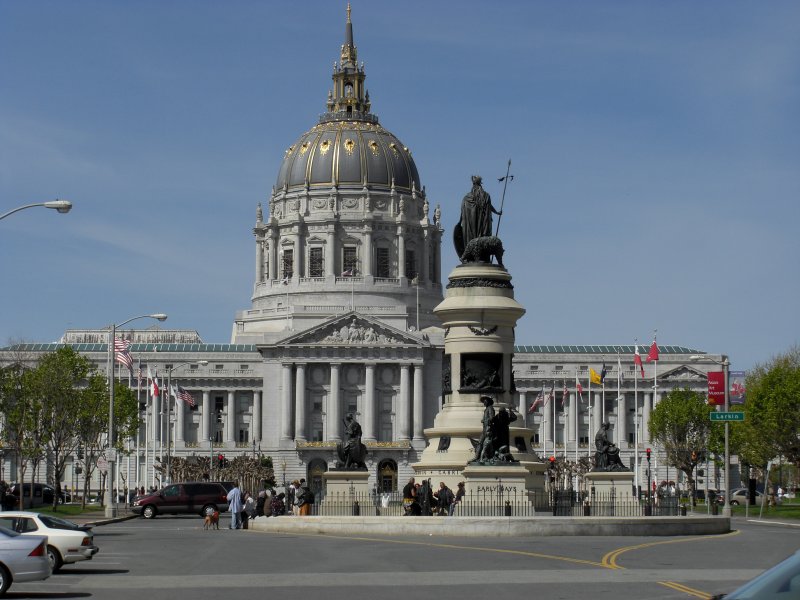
(727, 416)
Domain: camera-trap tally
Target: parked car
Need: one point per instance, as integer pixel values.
(65, 545)
(42, 494)
(740, 496)
(200, 497)
(22, 558)
(780, 581)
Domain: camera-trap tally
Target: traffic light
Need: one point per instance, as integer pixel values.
(648, 453)
(220, 461)
(694, 456)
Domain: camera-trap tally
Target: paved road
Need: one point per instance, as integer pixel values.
(174, 558)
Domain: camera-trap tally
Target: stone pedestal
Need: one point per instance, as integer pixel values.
(500, 489)
(341, 484)
(478, 314)
(610, 492)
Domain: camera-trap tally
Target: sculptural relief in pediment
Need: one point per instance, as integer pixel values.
(354, 331)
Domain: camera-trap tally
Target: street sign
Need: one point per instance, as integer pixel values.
(727, 416)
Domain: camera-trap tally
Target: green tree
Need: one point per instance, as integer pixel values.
(92, 426)
(19, 416)
(680, 424)
(772, 425)
(58, 383)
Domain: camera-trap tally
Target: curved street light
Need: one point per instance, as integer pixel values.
(726, 509)
(169, 409)
(62, 206)
(111, 509)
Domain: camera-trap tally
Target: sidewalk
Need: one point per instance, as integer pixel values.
(96, 518)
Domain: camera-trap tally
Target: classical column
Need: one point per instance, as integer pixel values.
(545, 425)
(330, 253)
(300, 402)
(257, 416)
(368, 425)
(274, 272)
(403, 406)
(418, 414)
(230, 422)
(401, 252)
(367, 250)
(259, 261)
(646, 403)
(572, 434)
(622, 422)
(205, 432)
(157, 418)
(522, 410)
(597, 415)
(334, 412)
(425, 275)
(179, 419)
(286, 403)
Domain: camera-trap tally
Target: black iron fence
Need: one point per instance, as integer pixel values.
(559, 503)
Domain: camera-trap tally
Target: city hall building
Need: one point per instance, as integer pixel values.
(347, 273)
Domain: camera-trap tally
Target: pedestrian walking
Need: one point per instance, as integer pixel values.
(235, 506)
(460, 493)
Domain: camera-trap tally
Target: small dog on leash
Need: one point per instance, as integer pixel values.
(211, 521)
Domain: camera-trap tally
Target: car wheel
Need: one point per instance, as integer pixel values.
(734, 503)
(149, 512)
(5, 580)
(208, 510)
(54, 558)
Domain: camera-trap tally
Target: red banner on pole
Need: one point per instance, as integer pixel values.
(716, 388)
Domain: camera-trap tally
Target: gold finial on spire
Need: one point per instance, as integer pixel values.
(348, 12)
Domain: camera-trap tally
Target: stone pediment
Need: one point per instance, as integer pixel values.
(353, 330)
(682, 373)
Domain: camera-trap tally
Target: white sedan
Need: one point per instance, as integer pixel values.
(66, 541)
(22, 558)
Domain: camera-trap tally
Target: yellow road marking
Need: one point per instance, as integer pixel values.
(610, 559)
(686, 589)
(579, 561)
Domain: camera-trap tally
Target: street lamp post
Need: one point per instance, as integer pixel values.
(111, 509)
(726, 509)
(62, 206)
(169, 409)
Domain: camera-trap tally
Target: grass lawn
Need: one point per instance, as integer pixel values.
(67, 510)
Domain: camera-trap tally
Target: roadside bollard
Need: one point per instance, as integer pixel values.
(507, 509)
(683, 510)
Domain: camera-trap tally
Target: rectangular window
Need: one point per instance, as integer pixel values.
(219, 367)
(219, 404)
(533, 368)
(244, 404)
(411, 264)
(559, 367)
(350, 259)
(382, 263)
(287, 266)
(316, 263)
(244, 435)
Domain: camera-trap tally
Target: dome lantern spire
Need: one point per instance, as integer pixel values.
(349, 99)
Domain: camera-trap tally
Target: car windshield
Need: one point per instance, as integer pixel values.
(780, 582)
(56, 523)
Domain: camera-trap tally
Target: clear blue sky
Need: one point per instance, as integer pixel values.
(655, 148)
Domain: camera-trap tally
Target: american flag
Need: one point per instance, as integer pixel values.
(565, 394)
(539, 399)
(122, 353)
(181, 394)
(552, 395)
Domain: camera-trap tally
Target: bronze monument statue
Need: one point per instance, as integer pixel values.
(606, 456)
(352, 452)
(493, 446)
(475, 223)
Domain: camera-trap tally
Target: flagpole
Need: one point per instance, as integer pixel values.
(503, 199)
(589, 424)
(544, 418)
(636, 433)
(555, 415)
(577, 410)
(139, 403)
(619, 386)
